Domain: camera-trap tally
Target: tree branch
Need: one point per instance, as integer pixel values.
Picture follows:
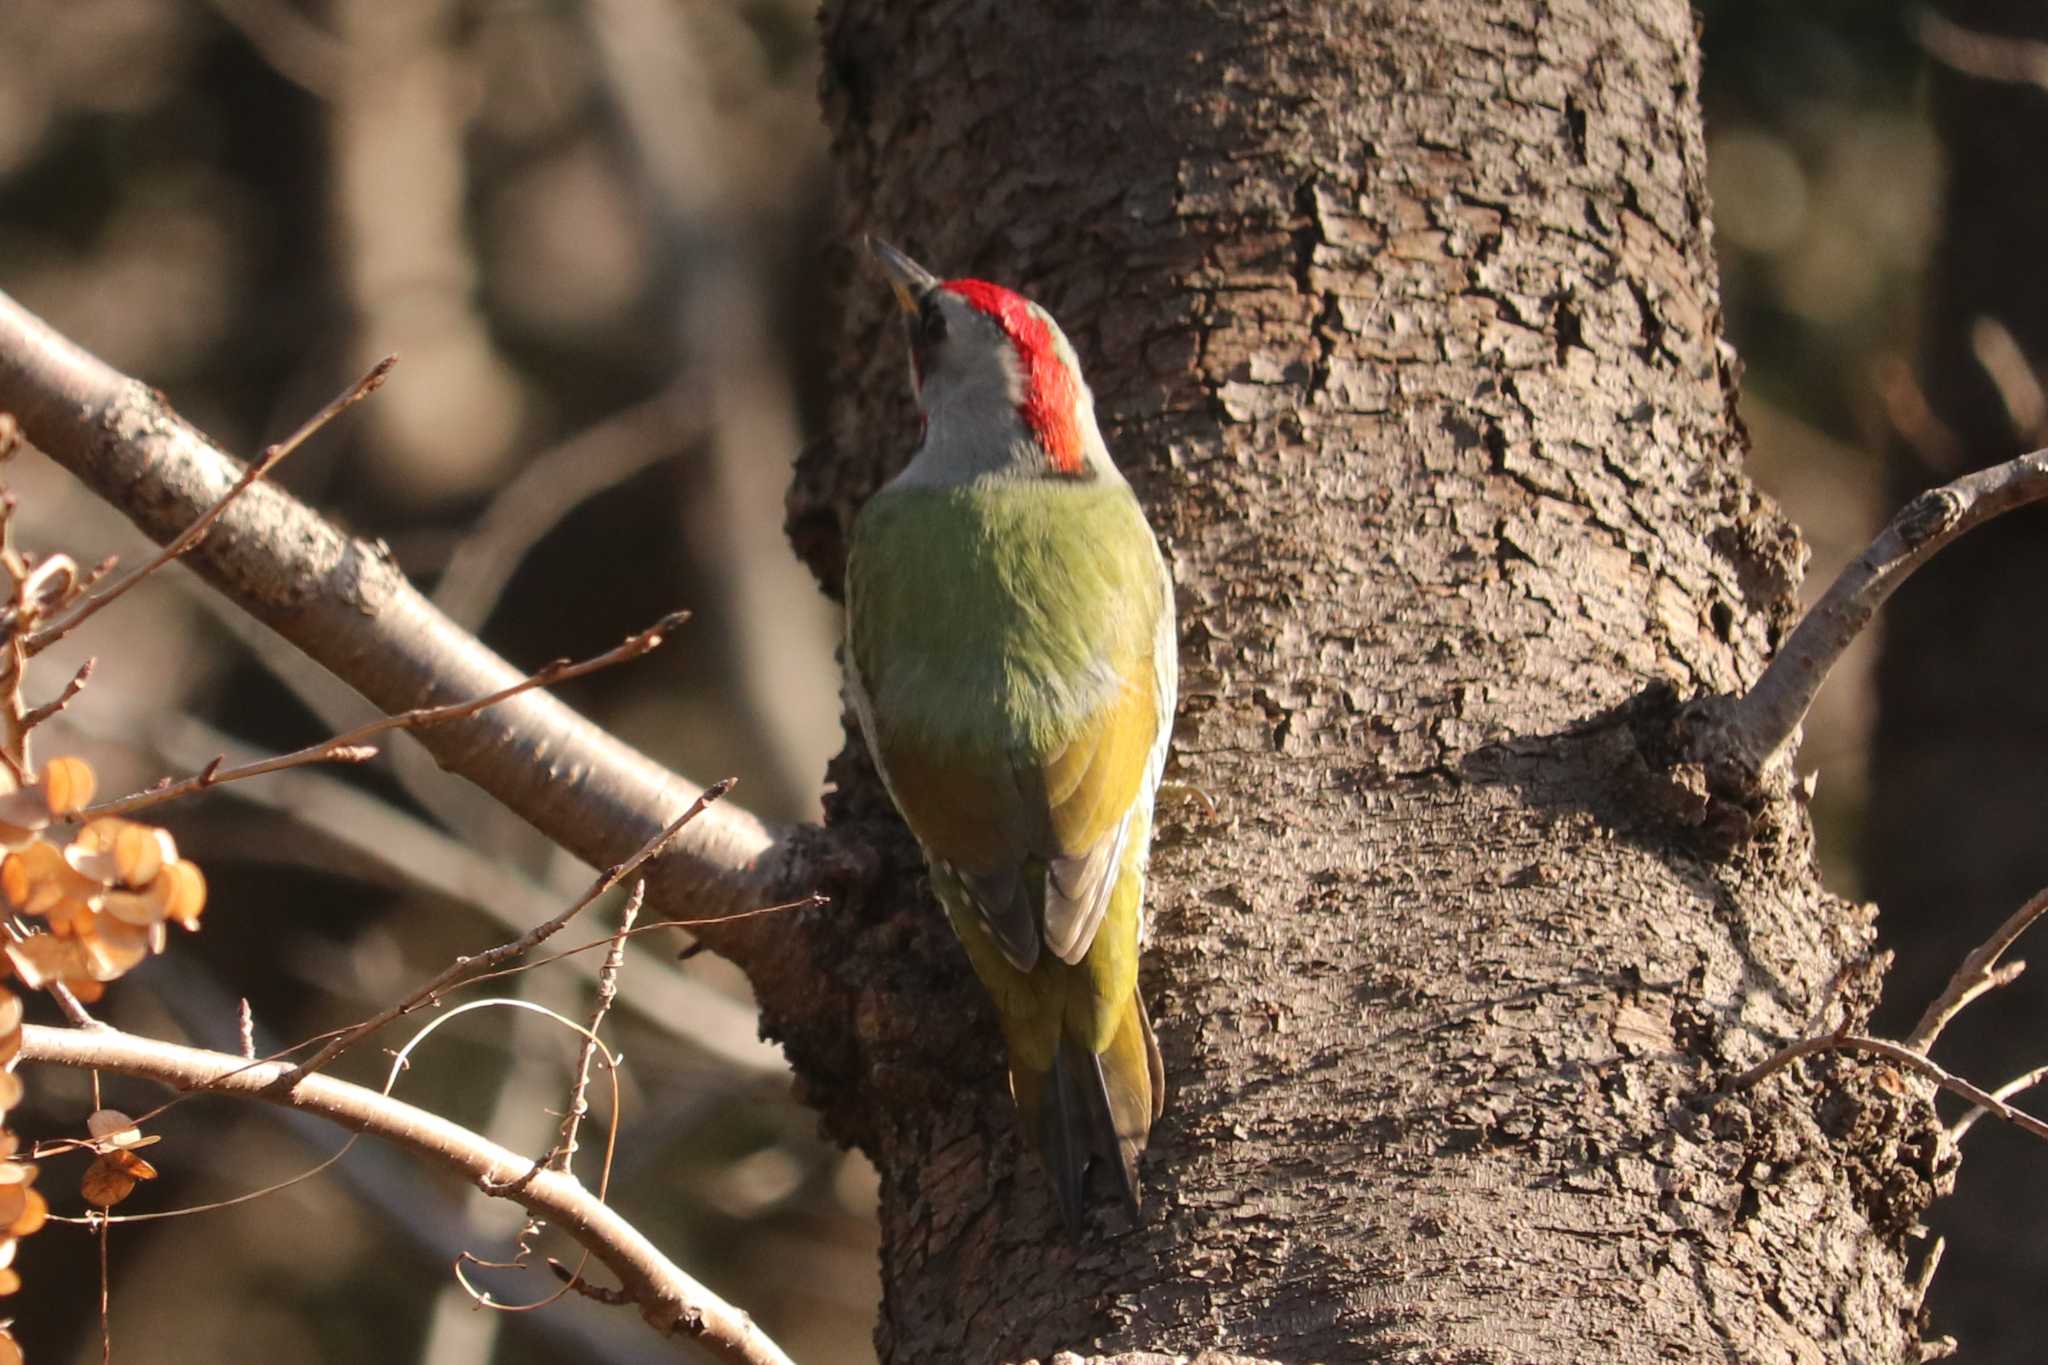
(196, 532)
(349, 747)
(668, 1298)
(1979, 973)
(345, 604)
(1904, 1056)
(1756, 730)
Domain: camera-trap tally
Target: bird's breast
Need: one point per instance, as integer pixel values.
(998, 620)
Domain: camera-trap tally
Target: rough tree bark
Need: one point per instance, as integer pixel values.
(1404, 320)
(1960, 751)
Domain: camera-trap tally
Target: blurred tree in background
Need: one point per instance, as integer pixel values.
(595, 233)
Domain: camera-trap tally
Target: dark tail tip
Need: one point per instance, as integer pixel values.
(1063, 1140)
(1078, 1131)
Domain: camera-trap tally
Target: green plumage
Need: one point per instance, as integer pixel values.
(1012, 653)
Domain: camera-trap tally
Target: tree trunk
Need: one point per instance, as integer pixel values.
(1403, 319)
(1959, 765)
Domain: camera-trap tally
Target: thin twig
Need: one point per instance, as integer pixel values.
(1977, 974)
(349, 747)
(371, 381)
(1904, 1056)
(815, 900)
(573, 1279)
(668, 1298)
(106, 1292)
(48, 709)
(71, 1006)
(1756, 730)
(1925, 1277)
(564, 1154)
(464, 967)
(560, 1156)
(2024, 1081)
(376, 838)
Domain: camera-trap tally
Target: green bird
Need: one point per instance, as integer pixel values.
(1013, 662)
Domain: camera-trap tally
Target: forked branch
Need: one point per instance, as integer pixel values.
(1979, 973)
(1755, 730)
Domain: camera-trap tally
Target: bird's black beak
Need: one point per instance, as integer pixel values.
(911, 281)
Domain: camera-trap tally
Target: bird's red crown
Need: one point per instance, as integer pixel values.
(1050, 406)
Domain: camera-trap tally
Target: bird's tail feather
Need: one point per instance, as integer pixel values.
(1098, 1108)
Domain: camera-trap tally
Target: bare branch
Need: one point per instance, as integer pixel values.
(349, 747)
(1904, 1056)
(344, 604)
(32, 719)
(670, 1300)
(2026, 1080)
(1977, 974)
(1756, 730)
(196, 532)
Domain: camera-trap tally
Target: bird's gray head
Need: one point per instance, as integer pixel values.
(1000, 386)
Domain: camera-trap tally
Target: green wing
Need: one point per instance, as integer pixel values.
(1006, 651)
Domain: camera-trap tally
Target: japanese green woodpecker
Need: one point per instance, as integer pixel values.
(1012, 658)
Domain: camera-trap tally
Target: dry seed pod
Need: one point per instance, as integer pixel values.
(114, 949)
(111, 1178)
(112, 1128)
(40, 959)
(186, 895)
(68, 785)
(38, 877)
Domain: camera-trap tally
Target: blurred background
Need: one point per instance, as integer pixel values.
(594, 231)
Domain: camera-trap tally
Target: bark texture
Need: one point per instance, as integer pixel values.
(1403, 319)
(1959, 767)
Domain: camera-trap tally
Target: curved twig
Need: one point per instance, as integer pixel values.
(465, 969)
(1756, 730)
(668, 1298)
